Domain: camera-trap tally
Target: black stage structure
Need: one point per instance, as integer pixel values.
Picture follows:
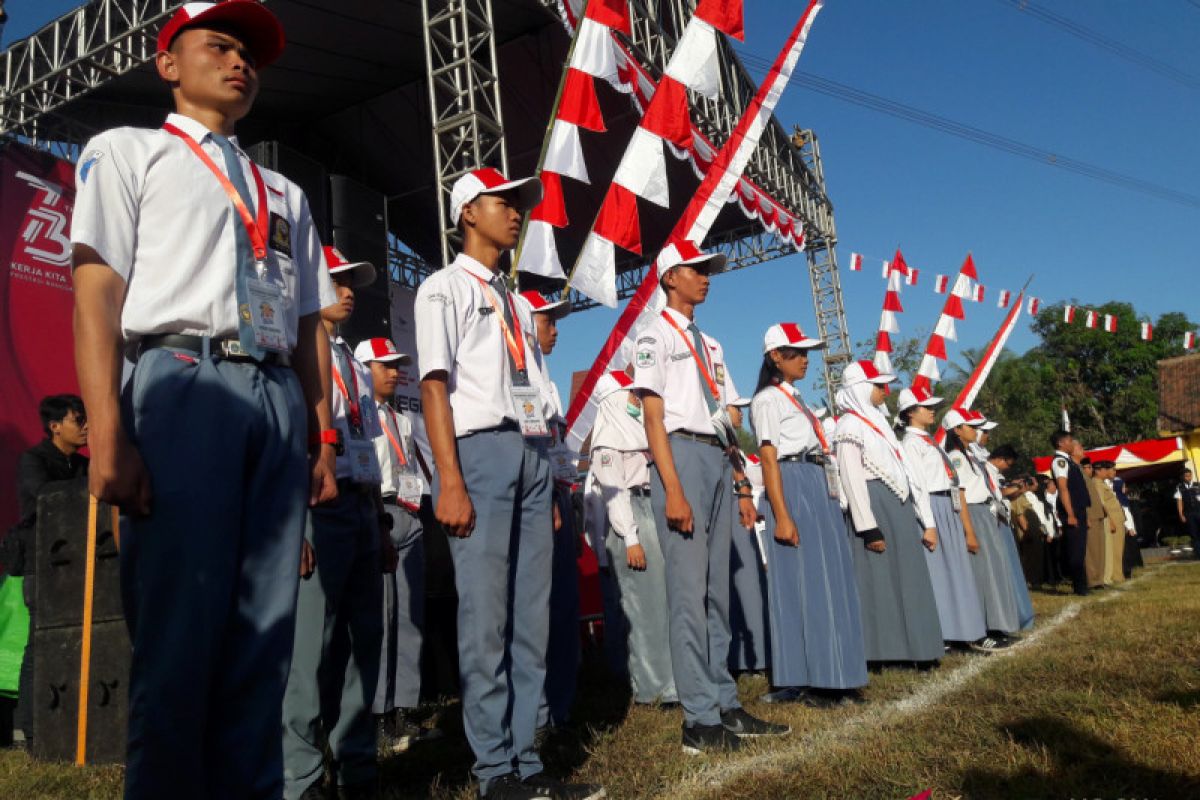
(377, 106)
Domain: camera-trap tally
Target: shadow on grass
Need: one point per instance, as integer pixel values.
(1181, 699)
(1082, 766)
(442, 768)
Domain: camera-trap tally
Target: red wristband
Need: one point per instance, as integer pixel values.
(327, 436)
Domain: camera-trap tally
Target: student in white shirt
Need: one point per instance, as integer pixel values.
(399, 685)
(684, 383)
(892, 522)
(486, 418)
(992, 568)
(959, 610)
(620, 470)
(817, 649)
(205, 450)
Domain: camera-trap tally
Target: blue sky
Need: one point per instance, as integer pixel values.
(893, 183)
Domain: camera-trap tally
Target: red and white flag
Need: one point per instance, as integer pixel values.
(1068, 314)
(1147, 332)
(1189, 340)
(1005, 296)
(718, 185)
(952, 310)
(1110, 323)
(977, 293)
(1034, 305)
(940, 284)
(888, 323)
(856, 262)
(642, 171)
(887, 270)
(1092, 319)
(911, 280)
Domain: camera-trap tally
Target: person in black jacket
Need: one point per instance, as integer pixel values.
(55, 458)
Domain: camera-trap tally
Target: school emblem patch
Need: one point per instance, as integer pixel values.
(719, 373)
(605, 460)
(281, 234)
(645, 358)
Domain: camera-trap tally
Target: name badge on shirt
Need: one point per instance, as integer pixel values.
(527, 405)
(266, 315)
(363, 467)
(410, 489)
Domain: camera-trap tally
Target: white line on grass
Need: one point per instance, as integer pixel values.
(806, 748)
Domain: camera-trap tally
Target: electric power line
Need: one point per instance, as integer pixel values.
(1111, 46)
(962, 130)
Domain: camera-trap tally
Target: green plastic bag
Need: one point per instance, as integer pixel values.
(14, 632)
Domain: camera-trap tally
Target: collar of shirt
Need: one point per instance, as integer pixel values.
(1064, 455)
(196, 129)
(474, 267)
(918, 431)
(679, 318)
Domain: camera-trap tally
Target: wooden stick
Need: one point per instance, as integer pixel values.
(85, 653)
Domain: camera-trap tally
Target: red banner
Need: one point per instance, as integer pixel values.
(37, 192)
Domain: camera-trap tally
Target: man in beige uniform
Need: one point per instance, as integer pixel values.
(1114, 523)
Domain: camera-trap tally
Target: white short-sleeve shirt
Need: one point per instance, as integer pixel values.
(615, 428)
(390, 464)
(663, 364)
(458, 333)
(1060, 467)
(970, 477)
(926, 461)
(156, 214)
(777, 420)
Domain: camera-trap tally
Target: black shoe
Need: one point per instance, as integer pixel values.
(565, 791)
(990, 644)
(741, 723)
(699, 739)
(788, 694)
(510, 787)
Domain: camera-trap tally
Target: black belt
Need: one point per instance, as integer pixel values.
(702, 438)
(503, 427)
(943, 493)
(229, 349)
(820, 459)
(640, 491)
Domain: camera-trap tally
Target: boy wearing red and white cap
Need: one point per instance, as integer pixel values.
(686, 391)
(399, 686)
(339, 625)
(486, 418)
(207, 269)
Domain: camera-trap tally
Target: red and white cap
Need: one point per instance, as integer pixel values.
(988, 424)
(540, 304)
(684, 253)
(253, 23)
(788, 334)
(490, 181)
(961, 416)
(360, 273)
(740, 402)
(865, 372)
(916, 396)
(380, 349)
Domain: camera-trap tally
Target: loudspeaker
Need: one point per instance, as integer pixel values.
(56, 664)
(61, 556)
(301, 170)
(360, 233)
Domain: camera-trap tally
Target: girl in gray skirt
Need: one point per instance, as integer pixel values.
(990, 565)
(893, 523)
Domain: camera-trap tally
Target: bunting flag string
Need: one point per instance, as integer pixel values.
(1002, 301)
(722, 179)
(1147, 332)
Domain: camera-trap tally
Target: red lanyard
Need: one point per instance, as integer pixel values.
(700, 364)
(924, 437)
(816, 426)
(873, 427)
(516, 344)
(391, 438)
(351, 400)
(256, 226)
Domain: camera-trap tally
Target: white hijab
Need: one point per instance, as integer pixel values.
(881, 453)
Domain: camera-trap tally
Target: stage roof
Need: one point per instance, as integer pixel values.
(350, 93)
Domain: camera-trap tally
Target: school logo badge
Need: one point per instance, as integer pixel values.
(645, 358)
(719, 372)
(244, 312)
(281, 234)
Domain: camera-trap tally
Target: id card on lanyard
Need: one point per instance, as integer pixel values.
(722, 426)
(831, 476)
(265, 311)
(409, 486)
(526, 398)
(364, 467)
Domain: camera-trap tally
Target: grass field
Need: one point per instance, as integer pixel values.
(1101, 700)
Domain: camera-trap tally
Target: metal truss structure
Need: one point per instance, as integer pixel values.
(70, 57)
(105, 39)
(464, 97)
